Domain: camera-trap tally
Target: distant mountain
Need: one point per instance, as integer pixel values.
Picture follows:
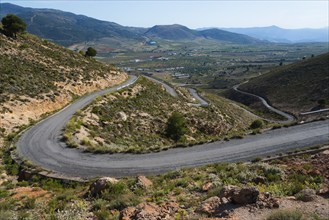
(221, 35)
(281, 35)
(298, 87)
(172, 32)
(67, 28)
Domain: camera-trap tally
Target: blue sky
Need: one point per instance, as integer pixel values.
(197, 14)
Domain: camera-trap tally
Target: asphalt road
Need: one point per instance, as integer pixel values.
(169, 89)
(195, 94)
(289, 117)
(42, 145)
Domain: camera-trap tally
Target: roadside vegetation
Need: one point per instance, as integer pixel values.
(146, 118)
(183, 191)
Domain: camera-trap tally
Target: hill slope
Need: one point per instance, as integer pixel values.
(221, 35)
(38, 77)
(135, 120)
(296, 87)
(67, 28)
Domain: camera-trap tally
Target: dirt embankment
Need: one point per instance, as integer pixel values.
(18, 112)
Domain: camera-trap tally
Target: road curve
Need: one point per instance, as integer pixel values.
(42, 145)
(289, 117)
(169, 89)
(195, 94)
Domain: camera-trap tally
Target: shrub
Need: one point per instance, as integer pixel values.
(91, 52)
(257, 159)
(256, 124)
(102, 214)
(176, 126)
(285, 215)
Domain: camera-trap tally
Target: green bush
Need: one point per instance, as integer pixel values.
(102, 214)
(176, 126)
(285, 215)
(256, 124)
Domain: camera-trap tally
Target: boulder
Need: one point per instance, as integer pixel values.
(99, 185)
(242, 196)
(245, 195)
(144, 182)
(306, 195)
(209, 206)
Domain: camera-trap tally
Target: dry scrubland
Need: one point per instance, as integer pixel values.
(135, 120)
(298, 87)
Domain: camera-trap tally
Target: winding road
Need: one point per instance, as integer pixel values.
(42, 145)
(168, 88)
(289, 117)
(201, 100)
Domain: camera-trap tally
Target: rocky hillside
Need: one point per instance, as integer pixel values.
(38, 77)
(135, 120)
(298, 87)
(295, 187)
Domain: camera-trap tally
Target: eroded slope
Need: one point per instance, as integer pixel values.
(39, 77)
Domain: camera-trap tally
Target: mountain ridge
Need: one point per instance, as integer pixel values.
(283, 35)
(67, 28)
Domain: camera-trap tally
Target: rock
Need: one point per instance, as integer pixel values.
(306, 195)
(99, 185)
(265, 200)
(267, 195)
(224, 200)
(150, 211)
(245, 195)
(323, 191)
(144, 182)
(326, 152)
(209, 206)
(123, 116)
(207, 186)
(147, 211)
(25, 174)
(127, 213)
(242, 196)
(227, 191)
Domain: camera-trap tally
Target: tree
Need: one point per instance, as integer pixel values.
(12, 25)
(176, 126)
(91, 52)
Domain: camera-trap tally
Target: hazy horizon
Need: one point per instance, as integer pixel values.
(197, 14)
